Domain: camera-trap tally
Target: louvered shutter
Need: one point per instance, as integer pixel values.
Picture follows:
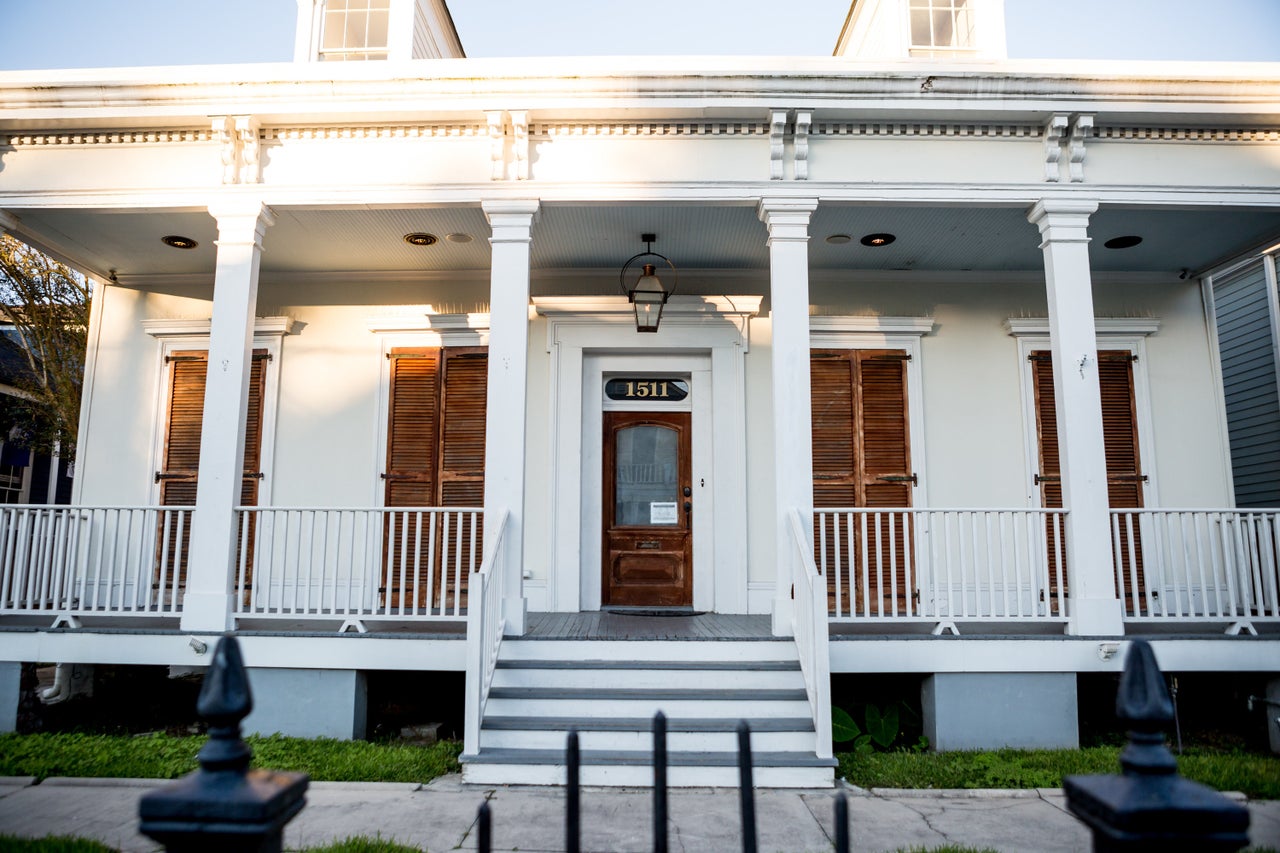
(180, 464)
(435, 457)
(1120, 440)
(412, 441)
(465, 383)
(862, 458)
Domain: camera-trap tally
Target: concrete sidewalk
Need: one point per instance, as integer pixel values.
(441, 816)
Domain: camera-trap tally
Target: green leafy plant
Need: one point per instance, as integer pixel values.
(880, 729)
(845, 730)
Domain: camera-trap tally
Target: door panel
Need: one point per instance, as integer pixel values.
(647, 512)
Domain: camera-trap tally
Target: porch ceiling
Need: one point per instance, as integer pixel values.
(601, 236)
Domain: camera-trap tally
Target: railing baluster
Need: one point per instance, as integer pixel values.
(866, 568)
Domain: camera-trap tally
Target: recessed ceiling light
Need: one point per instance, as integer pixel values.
(1126, 242)
(877, 240)
(179, 242)
(839, 239)
(420, 238)
(458, 237)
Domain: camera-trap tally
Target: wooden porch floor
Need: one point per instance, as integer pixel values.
(602, 625)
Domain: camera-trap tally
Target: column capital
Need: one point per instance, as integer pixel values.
(241, 220)
(8, 223)
(787, 218)
(1062, 219)
(510, 219)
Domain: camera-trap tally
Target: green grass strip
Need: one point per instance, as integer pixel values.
(1257, 776)
(158, 756)
(52, 844)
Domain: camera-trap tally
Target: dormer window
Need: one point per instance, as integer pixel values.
(941, 27)
(355, 30)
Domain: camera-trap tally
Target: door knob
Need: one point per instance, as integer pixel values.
(687, 491)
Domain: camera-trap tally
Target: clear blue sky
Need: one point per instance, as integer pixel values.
(103, 33)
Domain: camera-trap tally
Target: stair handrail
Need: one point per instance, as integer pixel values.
(811, 630)
(485, 628)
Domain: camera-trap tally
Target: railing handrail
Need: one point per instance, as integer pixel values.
(1150, 510)
(484, 631)
(811, 627)
(84, 507)
(871, 510)
(266, 508)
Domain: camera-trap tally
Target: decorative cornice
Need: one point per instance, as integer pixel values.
(651, 128)
(1081, 129)
(262, 326)
(380, 131)
(122, 137)
(878, 325)
(1020, 326)
(443, 323)
(917, 128)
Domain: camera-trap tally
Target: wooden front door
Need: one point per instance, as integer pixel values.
(648, 547)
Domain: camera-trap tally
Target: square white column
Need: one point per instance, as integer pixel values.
(211, 562)
(1093, 608)
(504, 445)
(788, 222)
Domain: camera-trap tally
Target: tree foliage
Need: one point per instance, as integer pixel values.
(46, 304)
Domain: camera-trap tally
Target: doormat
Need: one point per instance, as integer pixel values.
(653, 611)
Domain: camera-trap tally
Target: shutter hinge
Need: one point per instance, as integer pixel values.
(896, 356)
(180, 475)
(891, 478)
(171, 358)
(1047, 478)
(1128, 478)
(1037, 356)
(253, 475)
(266, 356)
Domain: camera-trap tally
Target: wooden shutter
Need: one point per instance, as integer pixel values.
(435, 457)
(1120, 439)
(862, 458)
(466, 382)
(180, 463)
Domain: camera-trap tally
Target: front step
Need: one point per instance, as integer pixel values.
(609, 690)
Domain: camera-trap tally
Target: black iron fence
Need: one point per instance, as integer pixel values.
(226, 807)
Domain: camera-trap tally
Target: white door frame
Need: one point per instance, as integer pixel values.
(705, 337)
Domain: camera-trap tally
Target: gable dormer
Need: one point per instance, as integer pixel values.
(948, 30)
(356, 30)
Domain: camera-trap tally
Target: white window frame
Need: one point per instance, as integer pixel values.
(350, 53)
(934, 49)
(178, 335)
(1113, 333)
(901, 333)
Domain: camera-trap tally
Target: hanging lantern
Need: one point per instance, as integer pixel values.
(647, 292)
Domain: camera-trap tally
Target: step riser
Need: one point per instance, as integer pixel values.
(677, 777)
(692, 708)
(648, 678)
(647, 650)
(676, 741)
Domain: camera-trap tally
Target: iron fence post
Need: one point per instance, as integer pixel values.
(1150, 807)
(224, 807)
(572, 806)
(746, 788)
(659, 783)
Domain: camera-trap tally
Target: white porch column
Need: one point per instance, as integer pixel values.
(788, 222)
(211, 563)
(504, 434)
(1094, 607)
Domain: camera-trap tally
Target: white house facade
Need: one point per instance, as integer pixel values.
(965, 374)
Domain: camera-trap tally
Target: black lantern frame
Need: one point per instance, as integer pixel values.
(647, 293)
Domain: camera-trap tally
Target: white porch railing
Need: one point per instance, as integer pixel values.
(809, 614)
(485, 628)
(75, 560)
(356, 563)
(1200, 564)
(942, 564)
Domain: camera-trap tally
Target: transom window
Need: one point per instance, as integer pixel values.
(941, 26)
(355, 30)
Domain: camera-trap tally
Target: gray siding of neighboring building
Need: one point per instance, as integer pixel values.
(1249, 381)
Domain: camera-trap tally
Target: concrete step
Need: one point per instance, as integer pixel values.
(702, 665)
(722, 706)
(783, 649)
(641, 740)
(628, 776)
(682, 678)
(674, 724)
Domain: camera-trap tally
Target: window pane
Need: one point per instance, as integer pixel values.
(920, 27)
(964, 28)
(378, 29)
(646, 471)
(355, 29)
(942, 30)
(333, 23)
